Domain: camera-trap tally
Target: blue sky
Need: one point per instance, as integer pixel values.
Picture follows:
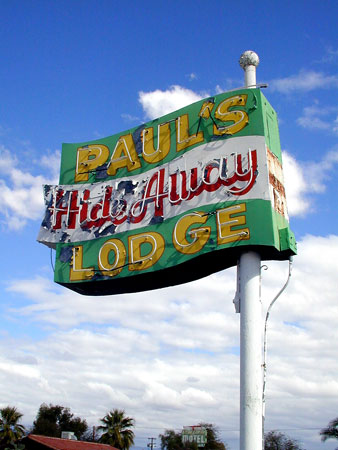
(75, 71)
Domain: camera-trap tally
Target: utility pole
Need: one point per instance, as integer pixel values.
(249, 272)
(152, 443)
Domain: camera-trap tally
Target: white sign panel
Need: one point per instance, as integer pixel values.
(215, 172)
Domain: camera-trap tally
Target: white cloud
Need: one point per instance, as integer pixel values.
(170, 357)
(321, 118)
(192, 76)
(304, 81)
(319, 172)
(180, 307)
(330, 56)
(229, 84)
(21, 194)
(304, 179)
(157, 103)
(295, 186)
(51, 161)
(130, 118)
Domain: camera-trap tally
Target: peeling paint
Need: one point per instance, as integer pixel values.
(156, 220)
(137, 139)
(225, 170)
(101, 172)
(66, 254)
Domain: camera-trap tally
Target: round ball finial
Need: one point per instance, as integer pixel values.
(248, 58)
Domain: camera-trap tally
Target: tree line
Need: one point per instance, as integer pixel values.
(116, 429)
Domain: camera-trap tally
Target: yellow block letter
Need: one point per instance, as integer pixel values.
(163, 143)
(226, 222)
(124, 155)
(199, 236)
(112, 269)
(183, 139)
(206, 109)
(77, 272)
(89, 158)
(139, 261)
(240, 118)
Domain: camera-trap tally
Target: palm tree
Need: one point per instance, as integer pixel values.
(10, 430)
(331, 431)
(117, 430)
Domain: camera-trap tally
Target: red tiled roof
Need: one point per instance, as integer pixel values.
(68, 444)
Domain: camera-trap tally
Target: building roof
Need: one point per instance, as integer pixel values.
(67, 444)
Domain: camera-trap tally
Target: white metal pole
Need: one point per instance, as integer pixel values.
(250, 352)
(249, 269)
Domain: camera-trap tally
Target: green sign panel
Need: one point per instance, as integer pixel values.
(195, 434)
(172, 200)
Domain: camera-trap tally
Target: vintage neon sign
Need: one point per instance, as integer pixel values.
(171, 200)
